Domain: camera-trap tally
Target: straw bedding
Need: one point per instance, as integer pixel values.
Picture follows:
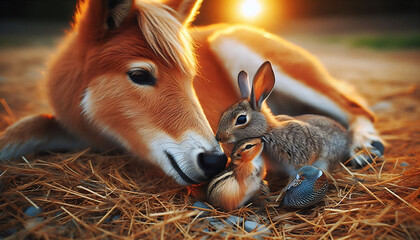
(107, 196)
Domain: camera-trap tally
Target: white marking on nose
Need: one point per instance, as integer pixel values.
(179, 158)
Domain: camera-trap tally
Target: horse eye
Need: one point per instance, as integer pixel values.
(141, 77)
(241, 120)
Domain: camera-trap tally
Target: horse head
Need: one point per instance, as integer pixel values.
(124, 76)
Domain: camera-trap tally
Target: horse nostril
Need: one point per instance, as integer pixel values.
(211, 162)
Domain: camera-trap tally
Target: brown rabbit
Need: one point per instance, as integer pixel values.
(289, 142)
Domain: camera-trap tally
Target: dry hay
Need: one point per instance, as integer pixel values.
(105, 196)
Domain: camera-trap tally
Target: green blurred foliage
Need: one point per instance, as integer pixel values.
(409, 41)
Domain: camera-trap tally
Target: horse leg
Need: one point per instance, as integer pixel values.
(38, 133)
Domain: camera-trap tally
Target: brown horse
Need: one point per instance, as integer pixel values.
(133, 75)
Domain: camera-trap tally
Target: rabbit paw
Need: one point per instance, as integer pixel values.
(366, 143)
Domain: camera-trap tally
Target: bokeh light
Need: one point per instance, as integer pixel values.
(250, 8)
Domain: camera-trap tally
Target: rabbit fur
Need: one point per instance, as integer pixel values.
(289, 142)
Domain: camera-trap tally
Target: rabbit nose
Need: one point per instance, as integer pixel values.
(212, 162)
(218, 138)
(221, 137)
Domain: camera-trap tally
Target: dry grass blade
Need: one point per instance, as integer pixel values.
(347, 170)
(77, 219)
(163, 223)
(72, 192)
(106, 215)
(336, 225)
(95, 193)
(371, 193)
(417, 210)
(27, 162)
(29, 200)
(8, 110)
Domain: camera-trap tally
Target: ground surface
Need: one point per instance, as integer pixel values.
(97, 196)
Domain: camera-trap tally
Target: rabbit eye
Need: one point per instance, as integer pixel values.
(249, 146)
(241, 120)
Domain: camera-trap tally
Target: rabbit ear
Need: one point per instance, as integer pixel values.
(262, 85)
(243, 83)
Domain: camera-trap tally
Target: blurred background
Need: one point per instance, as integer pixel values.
(274, 11)
(50, 17)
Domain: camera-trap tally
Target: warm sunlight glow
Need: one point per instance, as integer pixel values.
(250, 8)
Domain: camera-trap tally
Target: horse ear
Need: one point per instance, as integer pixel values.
(100, 16)
(186, 9)
(262, 85)
(116, 12)
(243, 83)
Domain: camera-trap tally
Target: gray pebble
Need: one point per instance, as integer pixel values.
(199, 204)
(202, 205)
(216, 223)
(234, 220)
(250, 226)
(33, 211)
